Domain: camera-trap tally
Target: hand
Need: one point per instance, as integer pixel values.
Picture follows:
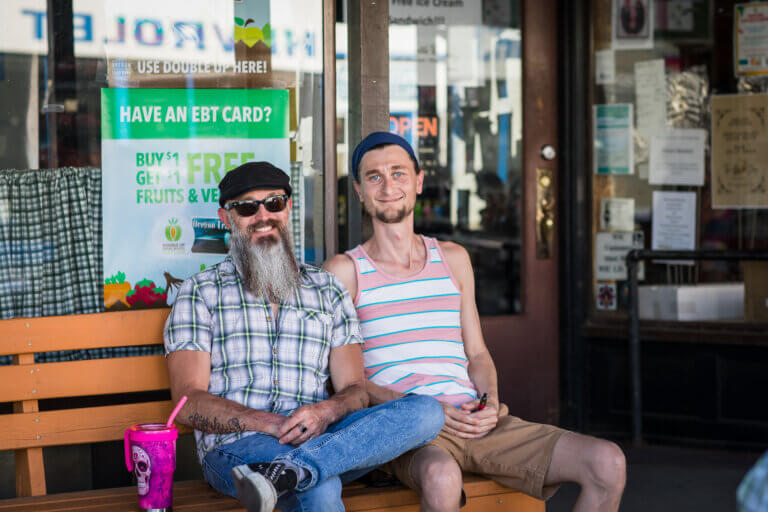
(269, 423)
(487, 418)
(467, 423)
(305, 423)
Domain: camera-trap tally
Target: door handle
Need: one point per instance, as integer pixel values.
(545, 213)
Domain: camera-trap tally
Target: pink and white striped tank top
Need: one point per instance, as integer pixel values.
(412, 328)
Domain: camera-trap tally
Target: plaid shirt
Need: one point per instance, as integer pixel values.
(753, 491)
(252, 363)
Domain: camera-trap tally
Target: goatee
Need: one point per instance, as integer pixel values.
(267, 266)
(388, 217)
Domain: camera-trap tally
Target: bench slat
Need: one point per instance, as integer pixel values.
(511, 502)
(196, 496)
(83, 378)
(77, 426)
(118, 329)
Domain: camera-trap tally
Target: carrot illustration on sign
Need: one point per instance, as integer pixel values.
(115, 290)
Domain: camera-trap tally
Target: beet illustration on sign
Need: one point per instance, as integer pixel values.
(147, 295)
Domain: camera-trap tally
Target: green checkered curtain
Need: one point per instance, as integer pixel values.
(51, 252)
(50, 242)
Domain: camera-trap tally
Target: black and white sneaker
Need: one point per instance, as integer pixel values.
(259, 485)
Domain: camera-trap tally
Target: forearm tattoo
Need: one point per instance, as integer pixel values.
(213, 426)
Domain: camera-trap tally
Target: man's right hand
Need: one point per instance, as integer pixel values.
(271, 423)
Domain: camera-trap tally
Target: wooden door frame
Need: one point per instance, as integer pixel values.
(330, 194)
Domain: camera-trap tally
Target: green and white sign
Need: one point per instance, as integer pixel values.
(164, 152)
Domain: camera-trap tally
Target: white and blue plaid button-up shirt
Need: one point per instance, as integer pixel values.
(252, 363)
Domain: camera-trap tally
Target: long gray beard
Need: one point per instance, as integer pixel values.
(267, 268)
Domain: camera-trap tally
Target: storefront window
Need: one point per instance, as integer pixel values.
(679, 130)
(112, 147)
(456, 95)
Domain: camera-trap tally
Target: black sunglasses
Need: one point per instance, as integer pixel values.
(248, 207)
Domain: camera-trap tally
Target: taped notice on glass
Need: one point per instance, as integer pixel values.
(611, 253)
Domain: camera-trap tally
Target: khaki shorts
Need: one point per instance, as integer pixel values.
(515, 454)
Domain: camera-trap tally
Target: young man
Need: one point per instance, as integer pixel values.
(415, 300)
(252, 342)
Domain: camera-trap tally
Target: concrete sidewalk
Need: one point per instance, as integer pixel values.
(671, 478)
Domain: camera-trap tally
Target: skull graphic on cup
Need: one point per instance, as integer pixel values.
(143, 465)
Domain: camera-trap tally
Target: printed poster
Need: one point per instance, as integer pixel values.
(613, 143)
(677, 157)
(253, 35)
(606, 297)
(611, 255)
(740, 151)
(673, 226)
(651, 97)
(632, 24)
(418, 29)
(750, 33)
(164, 152)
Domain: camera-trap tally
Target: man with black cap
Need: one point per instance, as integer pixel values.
(415, 298)
(252, 342)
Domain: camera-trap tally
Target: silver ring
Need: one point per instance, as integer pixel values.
(302, 428)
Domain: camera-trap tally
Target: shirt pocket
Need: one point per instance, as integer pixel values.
(314, 324)
(306, 334)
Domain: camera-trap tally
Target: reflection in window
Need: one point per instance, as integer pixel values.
(456, 96)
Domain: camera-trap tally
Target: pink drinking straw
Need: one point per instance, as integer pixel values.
(175, 411)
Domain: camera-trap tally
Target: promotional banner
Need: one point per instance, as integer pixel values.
(751, 38)
(164, 152)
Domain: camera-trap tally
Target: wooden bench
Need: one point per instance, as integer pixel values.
(27, 429)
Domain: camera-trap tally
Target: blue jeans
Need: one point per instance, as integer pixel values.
(347, 450)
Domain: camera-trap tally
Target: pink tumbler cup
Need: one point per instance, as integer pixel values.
(150, 451)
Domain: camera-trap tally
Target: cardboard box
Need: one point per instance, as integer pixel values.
(717, 301)
(756, 291)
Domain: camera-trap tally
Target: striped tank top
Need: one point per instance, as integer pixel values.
(411, 328)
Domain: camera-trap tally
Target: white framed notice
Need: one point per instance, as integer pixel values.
(677, 158)
(673, 226)
(611, 252)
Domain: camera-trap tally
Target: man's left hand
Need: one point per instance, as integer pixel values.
(485, 420)
(305, 423)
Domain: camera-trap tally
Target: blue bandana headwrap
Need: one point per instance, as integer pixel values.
(378, 139)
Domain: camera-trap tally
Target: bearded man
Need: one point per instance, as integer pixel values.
(252, 342)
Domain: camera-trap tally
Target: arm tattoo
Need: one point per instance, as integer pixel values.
(213, 426)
